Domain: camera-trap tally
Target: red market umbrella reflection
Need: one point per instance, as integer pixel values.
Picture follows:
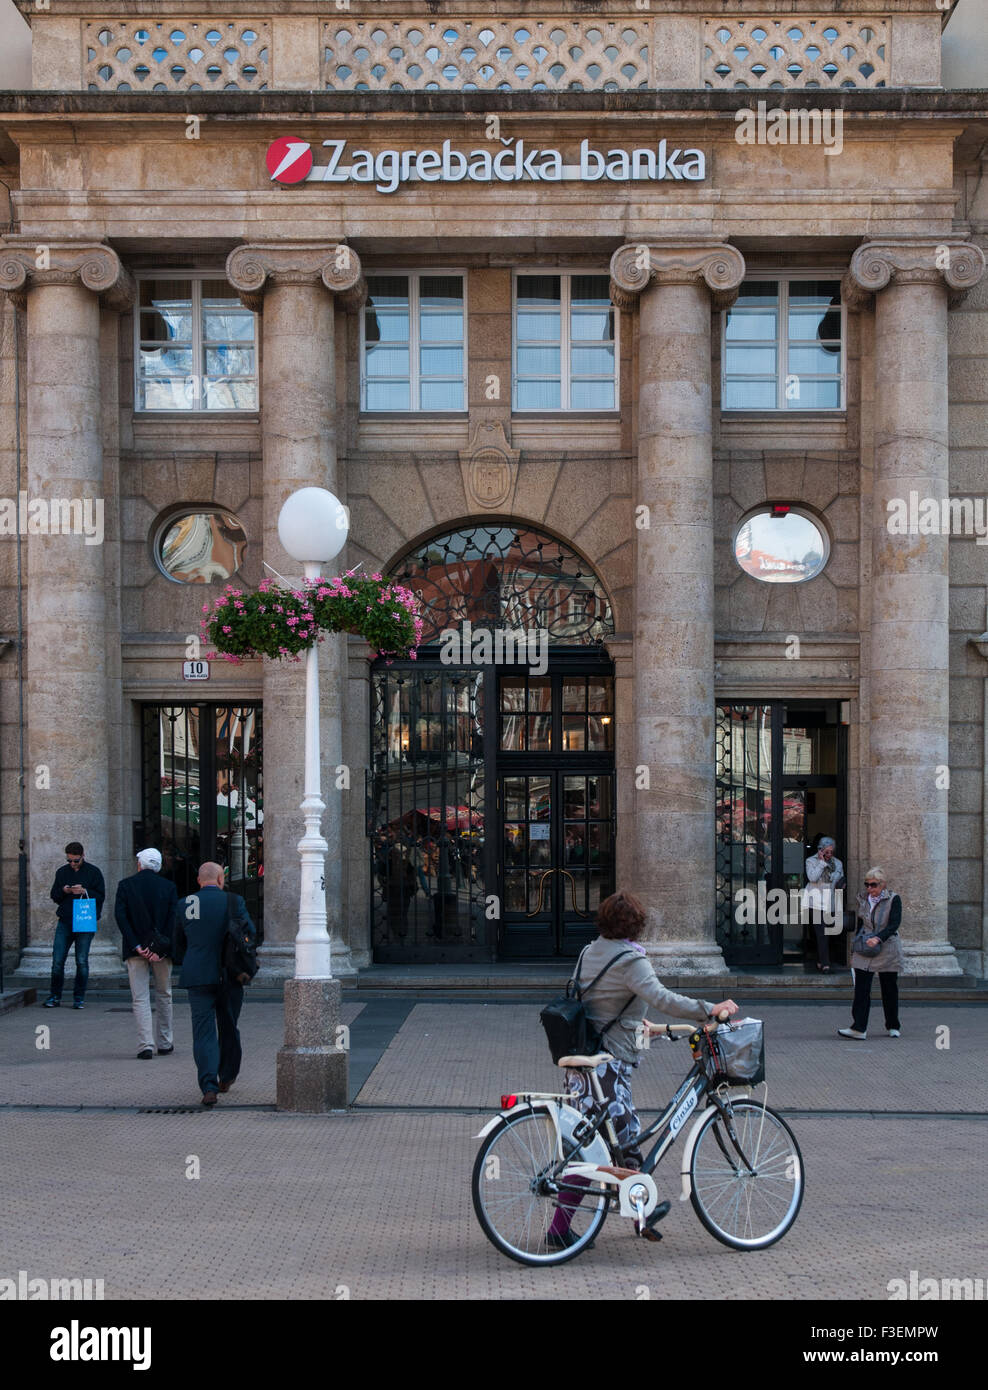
(455, 818)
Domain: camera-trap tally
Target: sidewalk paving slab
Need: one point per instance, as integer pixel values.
(373, 1206)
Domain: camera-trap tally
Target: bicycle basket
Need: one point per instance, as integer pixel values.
(735, 1054)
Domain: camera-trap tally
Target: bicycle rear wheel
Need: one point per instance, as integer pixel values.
(744, 1209)
(515, 1203)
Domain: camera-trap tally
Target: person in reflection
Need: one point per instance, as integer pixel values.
(824, 876)
(400, 886)
(616, 1006)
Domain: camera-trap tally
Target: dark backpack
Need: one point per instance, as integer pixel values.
(567, 1027)
(239, 952)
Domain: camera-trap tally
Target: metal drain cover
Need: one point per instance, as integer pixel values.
(173, 1110)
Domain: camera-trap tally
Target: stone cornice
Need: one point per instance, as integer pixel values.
(336, 266)
(636, 266)
(26, 263)
(951, 260)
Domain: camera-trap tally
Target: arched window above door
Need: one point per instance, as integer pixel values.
(505, 574)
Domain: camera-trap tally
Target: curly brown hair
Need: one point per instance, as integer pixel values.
(621, 917)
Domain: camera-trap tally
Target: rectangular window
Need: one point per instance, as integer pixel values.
(195, 345)
(565, 343)
(783, 346)
(413, 342)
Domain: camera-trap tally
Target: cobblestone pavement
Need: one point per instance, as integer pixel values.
(91, 1057)
(441, 1054)
(376, 1204)
(467, 1054)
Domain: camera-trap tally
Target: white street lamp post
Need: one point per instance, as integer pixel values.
(312, 528)
(312, 1071)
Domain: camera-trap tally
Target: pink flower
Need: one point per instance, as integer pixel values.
(228, 629)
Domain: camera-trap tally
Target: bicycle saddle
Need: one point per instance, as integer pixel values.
(574, 1062)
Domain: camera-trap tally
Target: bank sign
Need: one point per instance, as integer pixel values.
(291, 161)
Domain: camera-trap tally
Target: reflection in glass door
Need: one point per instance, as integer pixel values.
(781, 784)
(558, 859)
(202, 795)
(555, 796)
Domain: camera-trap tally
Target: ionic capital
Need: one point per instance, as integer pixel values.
(26, 263)
(636, 266)
(337, 267)
(952, 261)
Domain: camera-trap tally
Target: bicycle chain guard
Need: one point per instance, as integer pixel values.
(637, 1193)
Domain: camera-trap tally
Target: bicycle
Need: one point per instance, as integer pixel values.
(741, 1166)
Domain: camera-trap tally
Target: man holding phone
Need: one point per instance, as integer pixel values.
(75, 879)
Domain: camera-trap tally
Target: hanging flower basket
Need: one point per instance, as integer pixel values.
(281, 623)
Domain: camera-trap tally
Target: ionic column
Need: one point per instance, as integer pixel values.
(675, 286)
(294, 286)
(64, 510)
(909, 667)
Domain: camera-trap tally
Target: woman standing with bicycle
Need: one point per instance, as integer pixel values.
(616, 1007)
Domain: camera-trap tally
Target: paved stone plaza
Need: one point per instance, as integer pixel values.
(355, 1205)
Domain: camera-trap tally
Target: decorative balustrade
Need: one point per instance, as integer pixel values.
(486, 55)
(795, 52)
(613, 45)
(142, 55)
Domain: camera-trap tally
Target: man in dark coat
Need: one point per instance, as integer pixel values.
(200, 928)
(75, 879)
(145, 913)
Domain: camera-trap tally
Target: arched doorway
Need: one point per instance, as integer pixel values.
(491, 794)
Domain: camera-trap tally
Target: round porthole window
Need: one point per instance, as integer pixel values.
(199, 547)
(781, 544)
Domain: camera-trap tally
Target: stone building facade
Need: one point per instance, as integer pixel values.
(791, 330)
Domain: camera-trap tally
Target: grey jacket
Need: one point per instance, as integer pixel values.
(630, 979)
(884, 919)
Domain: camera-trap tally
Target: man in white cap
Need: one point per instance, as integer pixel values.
(145, 913)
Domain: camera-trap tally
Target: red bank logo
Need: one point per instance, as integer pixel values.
(288, 160)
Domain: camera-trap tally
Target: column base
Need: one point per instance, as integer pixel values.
(930, 958)
(685, 958)
(972, 963)
(277, 962)
(105, 965)
(313, 1069)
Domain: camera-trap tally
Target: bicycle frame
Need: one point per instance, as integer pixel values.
(666, 1129)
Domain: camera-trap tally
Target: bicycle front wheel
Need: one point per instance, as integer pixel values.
(748, 1208)
(521, 1211)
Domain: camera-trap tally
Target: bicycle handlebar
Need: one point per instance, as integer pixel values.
(670, 1028)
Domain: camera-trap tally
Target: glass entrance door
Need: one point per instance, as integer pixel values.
(202, 795)
(555, 808)
(557, 859)
(781, 784)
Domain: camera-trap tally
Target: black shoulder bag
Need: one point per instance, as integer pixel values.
(239, 954)
(567, 1027)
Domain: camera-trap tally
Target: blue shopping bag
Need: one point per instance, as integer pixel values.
(83, 915)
